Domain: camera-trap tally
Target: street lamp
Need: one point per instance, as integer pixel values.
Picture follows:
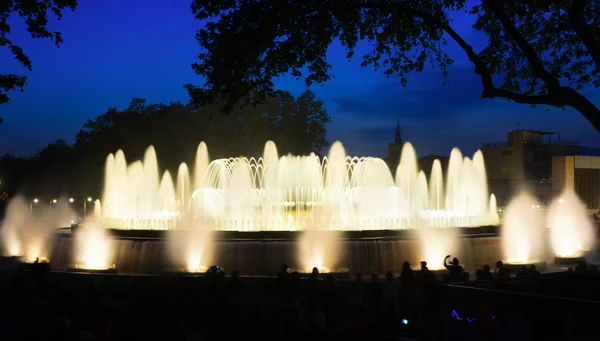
(71, 200)
(89, 199)
(54, 201)
(31, 202)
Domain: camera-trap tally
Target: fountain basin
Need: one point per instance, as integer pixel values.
(262, 254)
(568, 260)
(7, 260)
(515, 267)
(337, 272)
(437, 272)
(173, 271)
(101, 269)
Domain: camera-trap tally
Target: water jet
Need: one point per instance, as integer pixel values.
(571, 231)
(523, 234)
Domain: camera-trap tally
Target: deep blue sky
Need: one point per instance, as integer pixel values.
(116, 50)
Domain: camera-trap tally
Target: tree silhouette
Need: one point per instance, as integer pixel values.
(35, 14)
(297, 124)
(538, 52)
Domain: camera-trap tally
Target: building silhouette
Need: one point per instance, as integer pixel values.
(395, 149)
(524, 162)
(580, 174)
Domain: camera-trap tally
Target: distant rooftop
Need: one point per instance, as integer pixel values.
(536, 142)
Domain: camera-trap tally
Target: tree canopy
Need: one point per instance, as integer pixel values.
(35, 15)
(540, 52)
(298, 125)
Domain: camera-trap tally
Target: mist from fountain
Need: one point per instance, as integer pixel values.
(571, 231)
(92, 247)
(287, 193)
(191, 248)
(437, 243)
(26, 229)
(523, 233)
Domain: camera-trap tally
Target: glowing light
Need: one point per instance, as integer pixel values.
(54, 201)
(71, 200)
(35, 201)
(455, 316)
(92, 248)
(274, 193)
(523, 230)
(38, 259)
(571, 232)
(89, 199)
(193, 263)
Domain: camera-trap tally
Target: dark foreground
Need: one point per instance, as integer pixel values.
(39, 305)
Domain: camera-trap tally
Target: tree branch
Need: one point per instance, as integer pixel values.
(583, 31)
(533, 58)
(480, 68)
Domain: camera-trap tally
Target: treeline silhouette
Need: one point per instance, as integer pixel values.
(298, 125)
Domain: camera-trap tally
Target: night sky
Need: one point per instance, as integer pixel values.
(116, 50)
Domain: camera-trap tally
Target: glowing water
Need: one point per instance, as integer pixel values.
(319, 249)
(436, 244)
(190, 249)
(92, 247)
(571, 231)
(337, 192)
(523, 235)
(25, 228)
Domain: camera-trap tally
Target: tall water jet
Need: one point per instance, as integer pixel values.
(201, 166)
(571, 231)
(523, 235)
(407, 179)
(184, 188)
(436, 186)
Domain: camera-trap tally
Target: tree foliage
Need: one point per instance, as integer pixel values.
(543, 51)
(298, 125)
(35, 14)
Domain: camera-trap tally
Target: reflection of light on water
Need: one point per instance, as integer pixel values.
(94, 266)
(322, 269)
(38, 259)
(574, 254)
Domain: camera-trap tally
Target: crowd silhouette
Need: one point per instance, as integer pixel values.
(219, 306)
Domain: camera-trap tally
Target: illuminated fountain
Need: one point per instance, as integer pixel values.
(571, 231)
(436, 243)
(93, 250)
(239, 212)
(25, 233)
(286, 193)
(523, 233)
(190, 249)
